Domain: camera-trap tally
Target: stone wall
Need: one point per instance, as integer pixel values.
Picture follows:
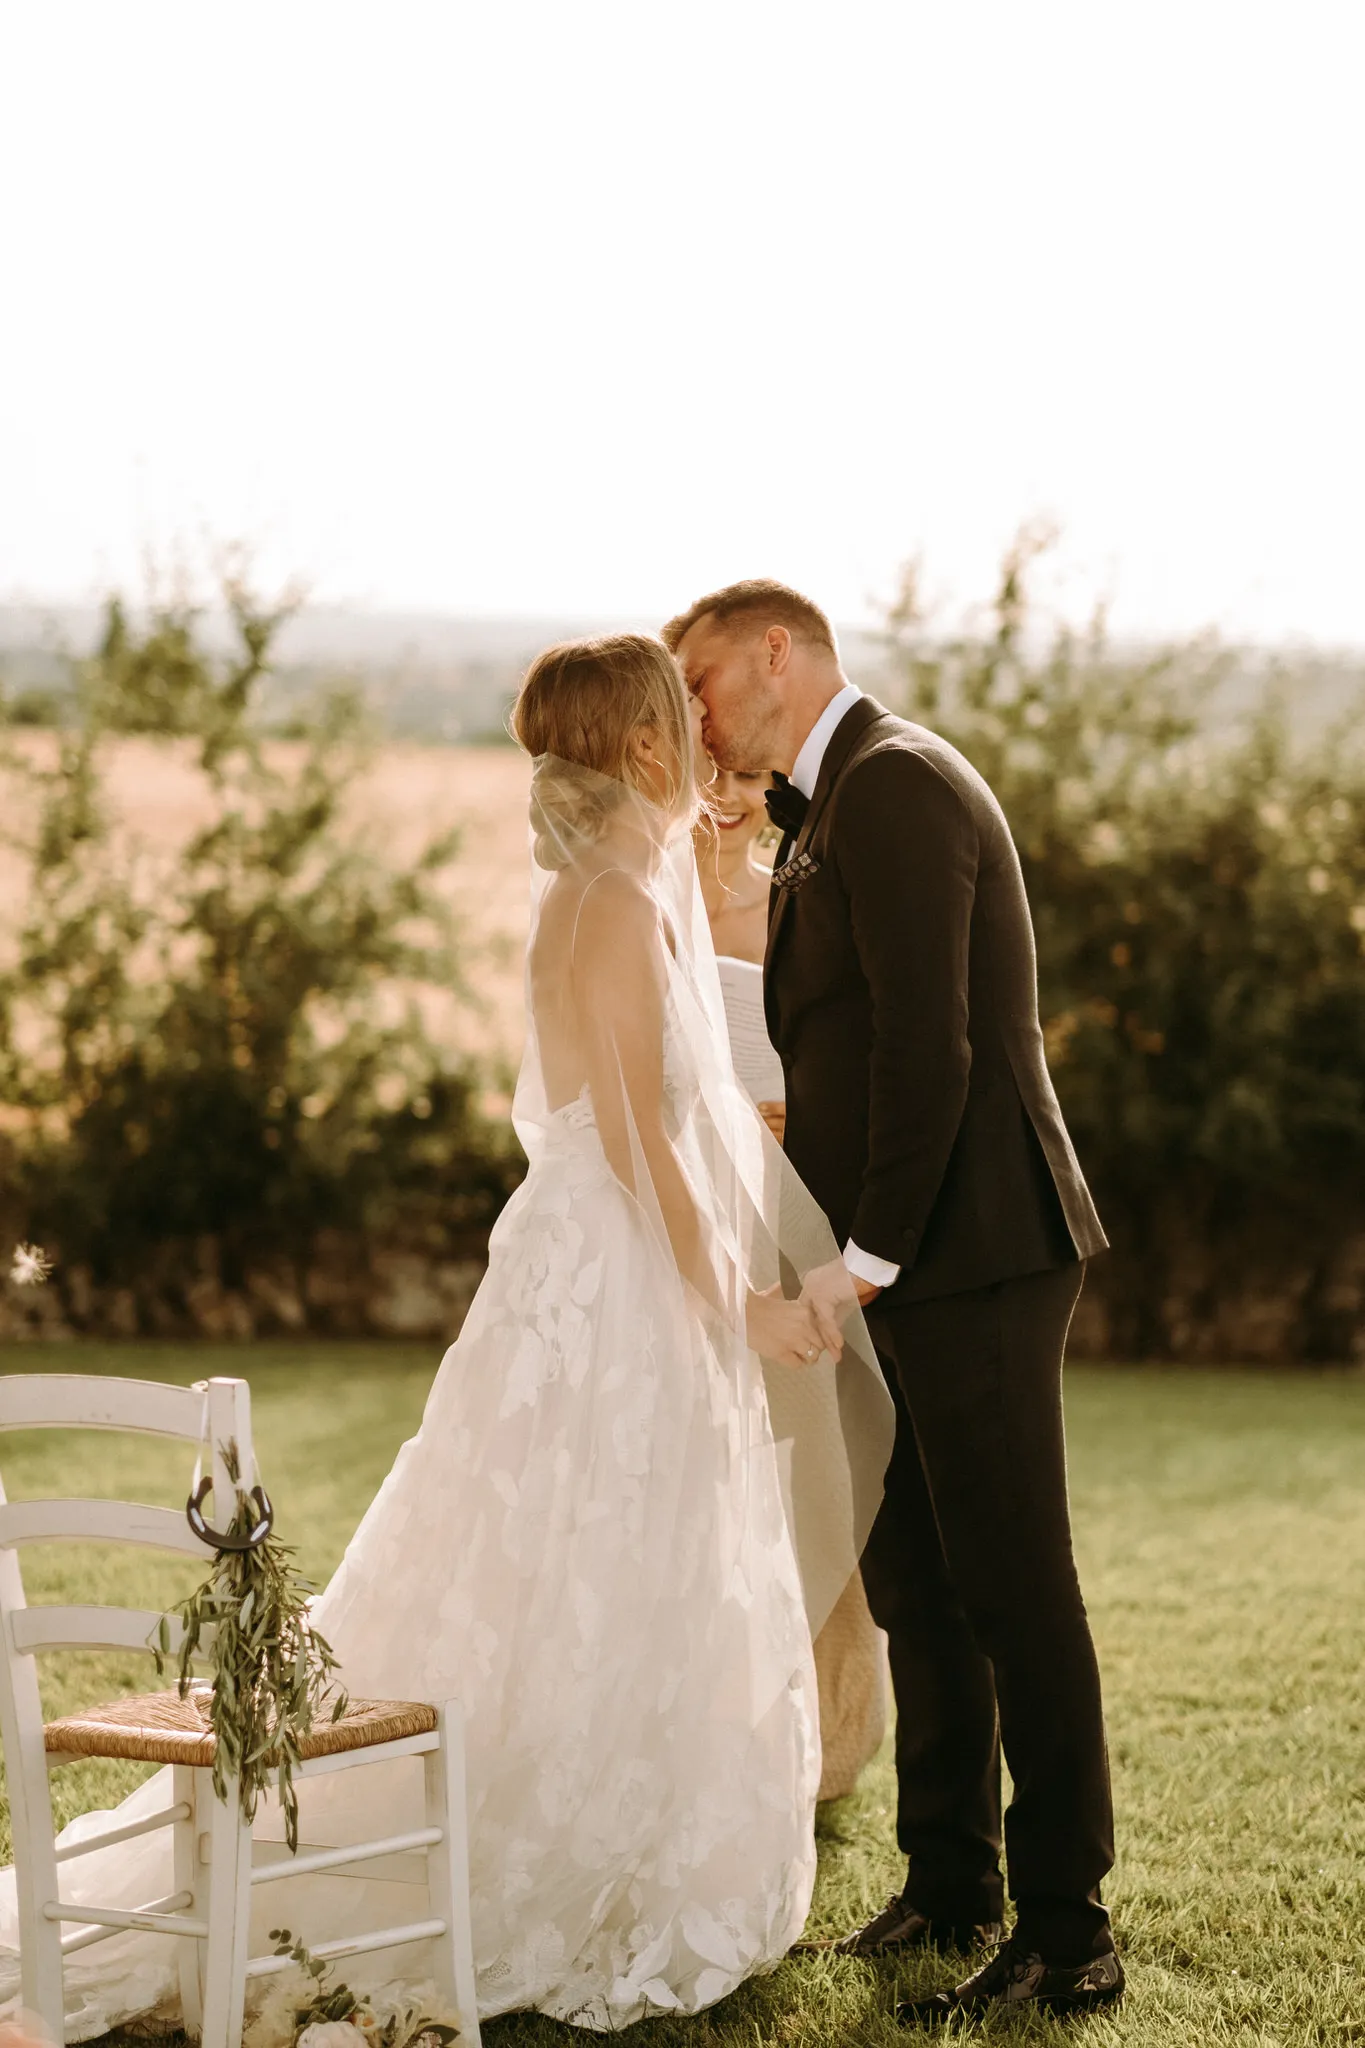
(344, 1286)
(1268, 1306)
(1265, 1303)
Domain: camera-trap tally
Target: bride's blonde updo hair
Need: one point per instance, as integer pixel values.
(579, 705)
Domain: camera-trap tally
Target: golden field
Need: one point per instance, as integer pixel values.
(409, 794)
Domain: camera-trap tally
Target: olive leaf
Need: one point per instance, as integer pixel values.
(272, 1672)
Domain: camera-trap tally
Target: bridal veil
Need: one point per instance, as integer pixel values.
(660, 1046)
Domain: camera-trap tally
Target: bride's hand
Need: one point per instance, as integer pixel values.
(785, 1331)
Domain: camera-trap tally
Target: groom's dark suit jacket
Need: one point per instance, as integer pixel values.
(901, 991)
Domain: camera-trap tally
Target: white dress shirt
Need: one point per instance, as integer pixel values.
(807, 763)
(805, 769)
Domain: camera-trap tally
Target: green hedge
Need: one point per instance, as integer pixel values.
(1198, 891)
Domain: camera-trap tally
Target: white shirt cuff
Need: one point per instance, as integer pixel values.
(864, 1266)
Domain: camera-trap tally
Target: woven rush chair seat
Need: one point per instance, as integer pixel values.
(161, 1728)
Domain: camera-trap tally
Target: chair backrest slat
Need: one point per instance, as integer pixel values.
(217, 1413)
(98, 1521)
(91, 1628)
(73, 1400)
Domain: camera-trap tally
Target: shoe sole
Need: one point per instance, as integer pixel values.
(1098, 2001)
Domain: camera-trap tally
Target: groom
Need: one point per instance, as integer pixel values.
(901, 991)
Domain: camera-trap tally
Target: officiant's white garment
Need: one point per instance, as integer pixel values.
(587, 1542)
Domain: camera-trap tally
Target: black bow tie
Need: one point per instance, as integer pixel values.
(786, 806)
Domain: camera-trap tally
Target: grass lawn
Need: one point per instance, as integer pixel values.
(1221, 1526)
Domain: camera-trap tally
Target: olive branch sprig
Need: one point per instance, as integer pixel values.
(271, 1671)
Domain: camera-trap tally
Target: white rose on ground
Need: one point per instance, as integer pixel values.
(331, 2034)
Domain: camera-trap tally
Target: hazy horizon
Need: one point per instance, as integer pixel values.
(548, 313)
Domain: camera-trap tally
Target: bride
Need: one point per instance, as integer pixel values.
(616, 1531)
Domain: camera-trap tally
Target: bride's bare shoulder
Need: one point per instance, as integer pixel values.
(610, 898)
(584, 916)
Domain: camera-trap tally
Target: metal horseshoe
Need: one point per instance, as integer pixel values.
(215, 1539)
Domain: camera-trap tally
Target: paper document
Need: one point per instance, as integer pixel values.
(756, 1063)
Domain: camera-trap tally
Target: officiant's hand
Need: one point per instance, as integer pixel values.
(785, 1331)
(774, 1115)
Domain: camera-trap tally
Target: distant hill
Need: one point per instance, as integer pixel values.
(435, 677)
(429, 677)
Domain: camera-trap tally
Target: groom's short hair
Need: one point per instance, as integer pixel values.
(762, 601)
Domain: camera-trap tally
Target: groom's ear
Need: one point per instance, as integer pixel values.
(778, 642)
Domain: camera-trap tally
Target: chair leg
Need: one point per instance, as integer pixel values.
(448, 1870)
(35, 1856)
(229, 1922)
(192, 1788)
(40, 1963)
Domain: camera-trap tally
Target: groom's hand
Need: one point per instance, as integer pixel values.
(832, 1293)
(866, 1292)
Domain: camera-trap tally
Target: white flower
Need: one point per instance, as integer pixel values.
(30, 1266)
(273, 2024)
(331, 2034)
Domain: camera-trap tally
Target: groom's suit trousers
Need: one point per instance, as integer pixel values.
(970, 1571)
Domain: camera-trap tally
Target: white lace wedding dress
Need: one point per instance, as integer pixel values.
(587, 1545)
(569, 1547)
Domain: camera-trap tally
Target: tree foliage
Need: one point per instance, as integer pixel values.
(229, 1041)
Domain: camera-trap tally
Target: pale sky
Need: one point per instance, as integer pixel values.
(585, 306)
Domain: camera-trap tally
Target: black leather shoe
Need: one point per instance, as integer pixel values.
(1018, 1976)
(900, 1925)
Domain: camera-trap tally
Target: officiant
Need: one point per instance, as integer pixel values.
(850, 1656)
(735, 880)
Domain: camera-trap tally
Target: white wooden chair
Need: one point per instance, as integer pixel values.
(213, 1865)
